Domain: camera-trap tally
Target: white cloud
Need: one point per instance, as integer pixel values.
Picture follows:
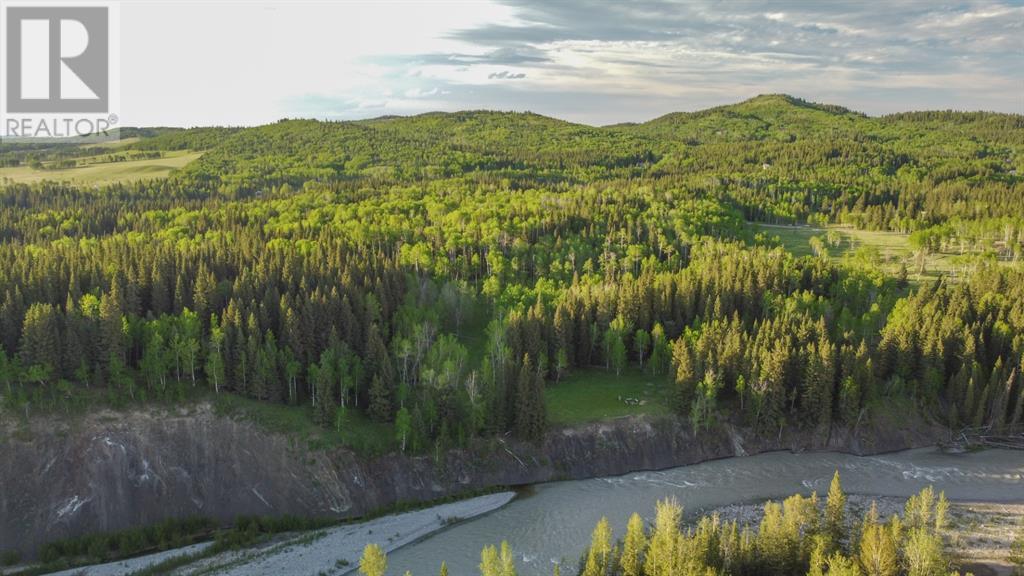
(190, 63)
(421, 93)
(232, 62)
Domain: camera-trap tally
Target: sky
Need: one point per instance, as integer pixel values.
(595, 62)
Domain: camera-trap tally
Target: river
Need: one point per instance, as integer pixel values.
(555, 519)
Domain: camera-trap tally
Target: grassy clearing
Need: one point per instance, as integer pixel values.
(892, 248)
(105, 173)
(113, 143)
(797, 240)
(356, 432)
(591, 395)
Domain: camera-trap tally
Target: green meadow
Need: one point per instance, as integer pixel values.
(595, 394)
(355, 430)
(88, 172)
(887, 250)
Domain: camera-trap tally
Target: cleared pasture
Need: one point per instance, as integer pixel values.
(887, 250)
(105, 172)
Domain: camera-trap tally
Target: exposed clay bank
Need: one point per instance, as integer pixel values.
(114, 471)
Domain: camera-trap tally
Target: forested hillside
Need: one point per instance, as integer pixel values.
(437, 274)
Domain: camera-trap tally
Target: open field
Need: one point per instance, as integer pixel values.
(589, 395)
(890, 248)
(113, 143)
(105, 173)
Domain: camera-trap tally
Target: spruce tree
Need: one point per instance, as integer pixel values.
(381, 374)
(380, 400)
(835, 511)
(685, 376)
(564, 337)
(40, 339)
(530, 412)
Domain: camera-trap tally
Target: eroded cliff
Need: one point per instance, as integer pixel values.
(109, 471)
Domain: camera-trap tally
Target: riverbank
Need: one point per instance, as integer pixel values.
(336, 551)
(133, 565)
(72, 478)
(333, 551)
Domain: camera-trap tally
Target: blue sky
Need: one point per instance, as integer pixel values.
(595, 62)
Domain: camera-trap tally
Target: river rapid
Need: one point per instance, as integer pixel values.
(552, 522)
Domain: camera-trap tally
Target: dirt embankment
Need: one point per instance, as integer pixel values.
(112, 471)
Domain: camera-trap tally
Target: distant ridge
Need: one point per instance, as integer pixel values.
(767, 107)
